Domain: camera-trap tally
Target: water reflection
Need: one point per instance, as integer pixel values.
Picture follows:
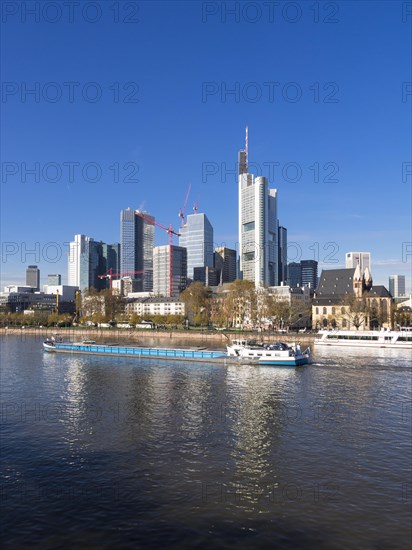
(152, 452)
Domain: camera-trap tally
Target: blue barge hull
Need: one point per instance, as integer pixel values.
(126, 351)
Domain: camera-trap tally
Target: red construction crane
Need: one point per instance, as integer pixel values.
(182, 210)
(170, 232)
(110, 275)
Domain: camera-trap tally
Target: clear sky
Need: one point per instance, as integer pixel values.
(136, 96)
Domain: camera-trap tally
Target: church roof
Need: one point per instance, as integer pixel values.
(379, 291)
(335, 282)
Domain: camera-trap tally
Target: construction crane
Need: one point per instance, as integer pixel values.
(110, 275)
(170, 232)
(182, 210)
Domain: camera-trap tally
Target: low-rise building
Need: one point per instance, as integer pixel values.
(347, 299)
(155, 306)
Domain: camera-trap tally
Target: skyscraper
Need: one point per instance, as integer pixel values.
(309, 273)
(397, 286)
(352, 259)
(196, 236)
(282, 254)
(85, 263)
(33, 277)
(294, 274)
(258, 226)
(225, 263)
(164, 273)
(136, 247)
(88, 259)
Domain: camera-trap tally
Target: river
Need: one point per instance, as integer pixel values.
(102, 452)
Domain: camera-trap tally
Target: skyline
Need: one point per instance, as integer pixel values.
(334, 106)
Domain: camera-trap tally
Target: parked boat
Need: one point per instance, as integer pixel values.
(365, 338)
(269, 354)
(239, 352)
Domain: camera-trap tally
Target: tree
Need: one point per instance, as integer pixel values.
(241, 302)
(356, 310)
(279, 311)
(196, 298)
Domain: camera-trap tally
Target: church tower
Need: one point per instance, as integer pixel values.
(357, 282)
(367, 279)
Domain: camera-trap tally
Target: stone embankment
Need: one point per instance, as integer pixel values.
(206, 338)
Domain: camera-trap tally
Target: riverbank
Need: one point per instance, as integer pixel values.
(205, 338)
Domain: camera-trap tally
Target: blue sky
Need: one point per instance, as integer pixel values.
(323, 87)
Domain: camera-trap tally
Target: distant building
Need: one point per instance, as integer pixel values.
(210, 276)
(8, 289)
(258, 226)
(196, 236)
(66, 293)
(83, 263)
(282, 255)
(363, 259)
(19, 302)
(110, 257)
(54, 279)
(169, 280)
(397, 286)
(225, 263)
(88, 259)
(136, 246)
(33, 277)
(294, 274)
(309, 273)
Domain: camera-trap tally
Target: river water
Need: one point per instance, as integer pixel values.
(101, 452)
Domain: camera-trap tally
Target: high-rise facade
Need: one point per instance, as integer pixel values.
(397, 286)
(55, 279)
(363, 259)
(33, 277)
(225, 264)
(111, 257)
(169, 279)
(309, 273)
(84, 263)
(196, 236)
(294, 274)
(88, 259)
(282, 255)
(258, 227)
(136, 247)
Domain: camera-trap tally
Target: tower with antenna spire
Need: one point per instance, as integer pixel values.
(258, 235)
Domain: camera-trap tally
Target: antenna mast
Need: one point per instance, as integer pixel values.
(247, 147)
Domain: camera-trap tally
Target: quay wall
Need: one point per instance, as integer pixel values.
(153, 337)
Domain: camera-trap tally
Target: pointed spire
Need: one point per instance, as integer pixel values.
(357, 275)
(367, 278)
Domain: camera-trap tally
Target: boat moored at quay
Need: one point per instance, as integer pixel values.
(399, 339)
(239, 352)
